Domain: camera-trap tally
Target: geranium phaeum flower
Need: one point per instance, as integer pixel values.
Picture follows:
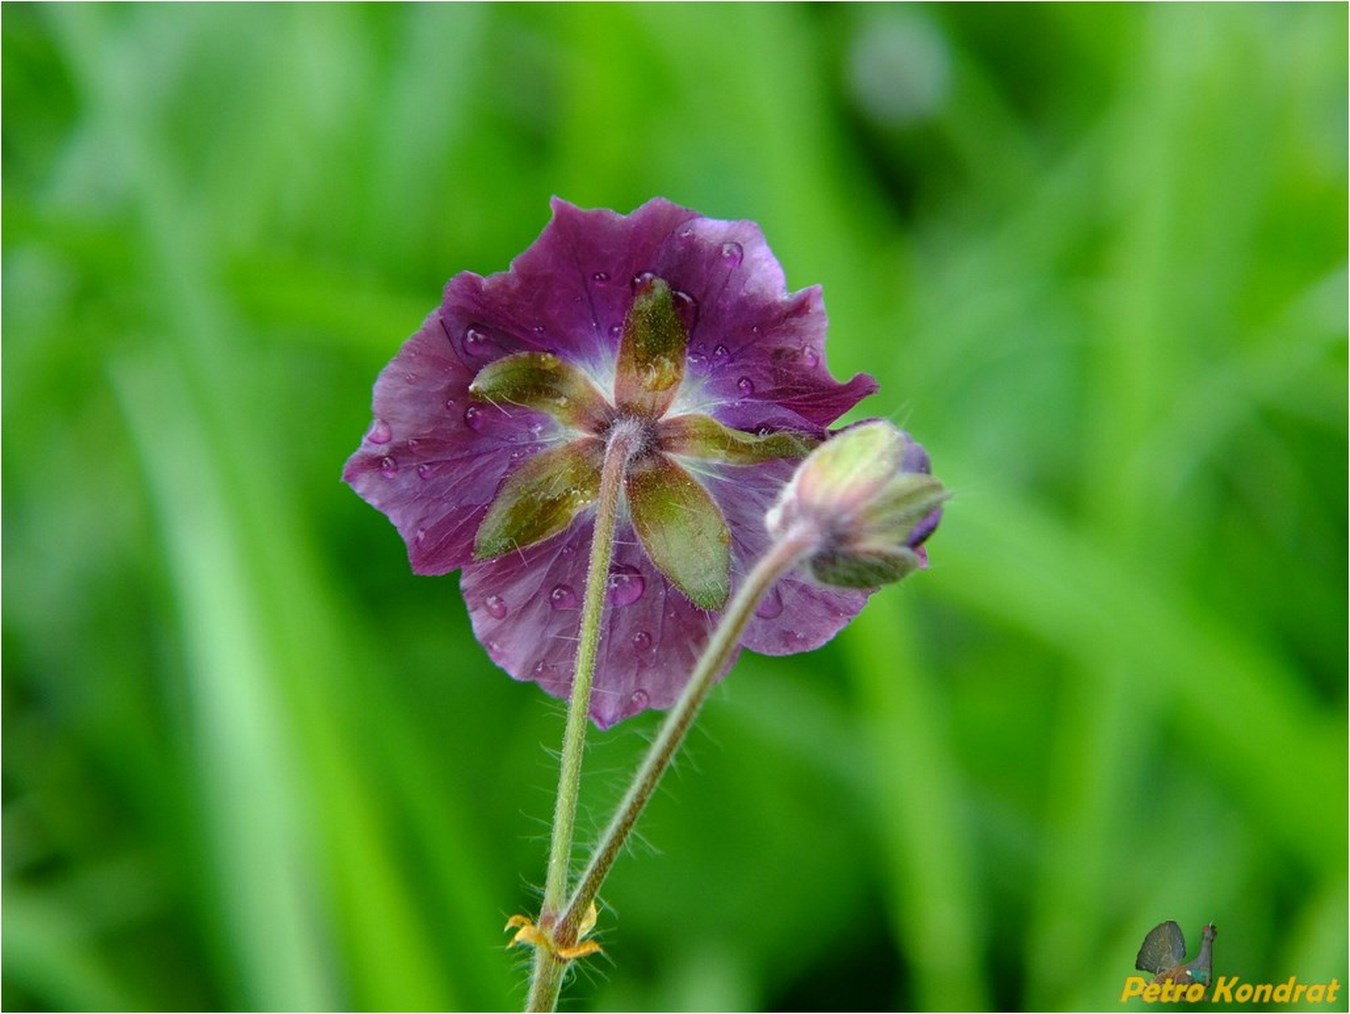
(491, 424)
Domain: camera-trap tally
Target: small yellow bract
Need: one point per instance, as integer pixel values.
(528, 933)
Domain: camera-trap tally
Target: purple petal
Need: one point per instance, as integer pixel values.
(434, 457)
(526, 610)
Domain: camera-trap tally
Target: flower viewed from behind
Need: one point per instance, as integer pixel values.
(491, 425)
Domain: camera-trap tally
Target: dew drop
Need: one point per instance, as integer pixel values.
(419, 535)
(810, 356)
(687, 307)
(496, 607)
(518, 453)
(562, 597)
(569, 550)
(473, 418)
(720, 354)
(601, 276)
(642, 642)
(615, 330)
(746, 386)
(772, 605)
(763, 431)
(380, 433)
(424, 472)
(733, 253)
(638, 701)
(476, 341)
(625, 585)
(451, 404)
(493, 648)
(388, 467)
(538, 329)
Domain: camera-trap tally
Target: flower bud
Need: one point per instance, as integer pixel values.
(867, 495)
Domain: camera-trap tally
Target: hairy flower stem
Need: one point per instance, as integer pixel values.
(780, 558)
(546, 982)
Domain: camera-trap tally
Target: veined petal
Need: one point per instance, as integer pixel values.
(541, 497)
(703, 437)
(682, 529)
(651, 351)
(545, 383)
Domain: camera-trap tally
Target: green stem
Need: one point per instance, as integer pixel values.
(780, 558)
(546, 982)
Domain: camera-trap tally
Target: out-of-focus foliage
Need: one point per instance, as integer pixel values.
(1096, 256)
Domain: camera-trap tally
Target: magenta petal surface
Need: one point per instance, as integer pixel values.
(526, 610)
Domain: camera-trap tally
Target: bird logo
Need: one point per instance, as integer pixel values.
(1164, 954)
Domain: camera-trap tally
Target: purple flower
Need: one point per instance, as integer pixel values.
(491, 422)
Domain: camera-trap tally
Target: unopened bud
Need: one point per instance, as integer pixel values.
(868, 495)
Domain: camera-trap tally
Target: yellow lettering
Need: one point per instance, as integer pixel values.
(1334, 985)
(1151, 992)
(1134, 985)
(1299, 990)
(1195, 992)
(1244, 992)
(1282, 991)
(1317, 992)
(1223, 989)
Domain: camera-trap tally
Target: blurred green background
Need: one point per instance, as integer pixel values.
(1096, 256)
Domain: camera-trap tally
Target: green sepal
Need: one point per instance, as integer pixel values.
(703, 437)
(541, 497)
(651, 352)
(681, 528)
(864, 568)
(543, 382)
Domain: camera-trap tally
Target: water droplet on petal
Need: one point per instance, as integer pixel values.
(763, 431)
(733, 253)
(538, 329)
(496, 607)
(720, 354)
(476, 341)
(615, 330)
(601, 276)
(642, 642)
(569, 550)
(638, 702)
(746, 386)
(642, 278)
(518, 453)
(687, 307)
(380, 433)
(388, 467)
(473, 418)
(625, 585)
(451, 404)
(424, 472)
(771, 607)
(810, 356)
(562, 597)
(419, 535)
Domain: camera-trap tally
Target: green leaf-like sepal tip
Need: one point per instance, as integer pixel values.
(682, 529)
(541, 497)
(651, 352)
(703, 437)
(543, 382)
